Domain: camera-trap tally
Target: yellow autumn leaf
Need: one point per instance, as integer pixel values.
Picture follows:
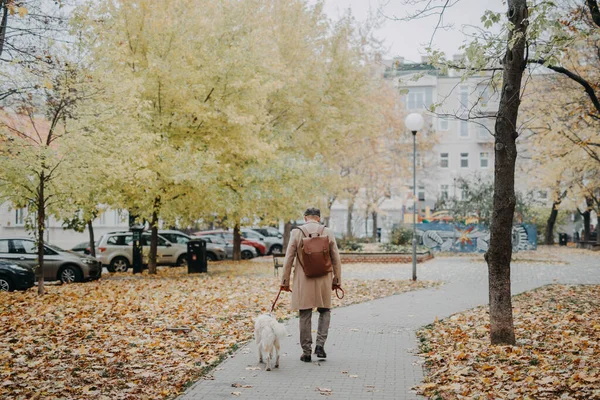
(48, 85)
(23, 11)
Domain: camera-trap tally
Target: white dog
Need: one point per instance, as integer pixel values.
(268, 333)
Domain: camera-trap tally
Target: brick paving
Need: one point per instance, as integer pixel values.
(371, 346)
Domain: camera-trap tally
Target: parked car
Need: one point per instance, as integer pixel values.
(59, 264)
(269, 231)
(247, 252)
(214, 252)
(273, 244)
(83, 248)
(115, 251)
(261, 249)
(15, 276)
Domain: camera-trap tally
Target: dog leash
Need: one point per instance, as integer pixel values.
(338, 289)
(276, 298)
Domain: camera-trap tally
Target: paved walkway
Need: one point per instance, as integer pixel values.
(371, 346)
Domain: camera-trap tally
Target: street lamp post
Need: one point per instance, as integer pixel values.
(414, 122)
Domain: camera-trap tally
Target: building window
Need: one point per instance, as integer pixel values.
(443, 124)
(419, 160)
(20, 216)
(419, 98)
(444, 160)
(444, 192)
(464, 129)
(421, 193)
(463, 97)
(464, 194)
(484, 160)
(464, 160)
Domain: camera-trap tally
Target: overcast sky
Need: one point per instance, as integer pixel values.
(408, 39)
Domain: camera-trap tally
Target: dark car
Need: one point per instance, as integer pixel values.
(15, 276)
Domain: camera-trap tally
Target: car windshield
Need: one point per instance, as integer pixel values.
(54, 247)
(273, 232)
(214, 239)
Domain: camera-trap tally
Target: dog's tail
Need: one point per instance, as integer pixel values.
(279, 331)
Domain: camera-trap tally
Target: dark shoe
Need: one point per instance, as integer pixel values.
(305, 358)
(320, 352)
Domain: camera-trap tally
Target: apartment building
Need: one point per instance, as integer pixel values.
(461, 116)
(459, 121)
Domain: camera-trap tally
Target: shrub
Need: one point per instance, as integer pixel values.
(401, 236)
(349, 244)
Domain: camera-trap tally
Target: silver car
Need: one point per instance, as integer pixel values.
(59, 264)
(115, 250)
(214, 252)
(272, 243)
(248, 252)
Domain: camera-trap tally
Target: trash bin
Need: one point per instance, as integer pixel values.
(562, 239)
(196, 256)
(137, 248)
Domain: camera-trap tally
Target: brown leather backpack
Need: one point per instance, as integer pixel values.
(314, 253)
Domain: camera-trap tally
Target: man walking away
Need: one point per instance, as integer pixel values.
(313, 253)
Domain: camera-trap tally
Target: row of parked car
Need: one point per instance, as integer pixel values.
(18, 257)
(114, 250)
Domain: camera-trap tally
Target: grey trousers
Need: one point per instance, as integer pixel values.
(306, 328)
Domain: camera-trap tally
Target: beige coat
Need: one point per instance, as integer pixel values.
(310, 292)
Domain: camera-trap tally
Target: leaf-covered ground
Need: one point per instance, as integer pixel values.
(109, 339)
(557, 354)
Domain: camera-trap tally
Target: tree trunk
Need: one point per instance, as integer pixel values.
(92, 240)
(587, 220)
(367, 222)
(327, 219)
(152, 255)
(374, 216)
(349, 220)
(287, 232)
(237, 243)
(549, 233)
(598, 227)
(500, 251)
(3, 24)
(41, 223)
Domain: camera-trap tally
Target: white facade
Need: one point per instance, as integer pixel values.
(460, 126)
(13, 223)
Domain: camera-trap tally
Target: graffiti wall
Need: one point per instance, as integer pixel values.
(471, 238)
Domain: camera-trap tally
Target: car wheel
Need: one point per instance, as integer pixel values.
(211, 257)
(276, 249)
(110, 268)
(120, 264)
(69, 274)
(5, 284)
(247, 255)
(182, 261)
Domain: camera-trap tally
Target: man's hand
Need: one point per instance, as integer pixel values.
(285, 288)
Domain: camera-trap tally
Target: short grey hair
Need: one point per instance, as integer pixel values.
(312, 211)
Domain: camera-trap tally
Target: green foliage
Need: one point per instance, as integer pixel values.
(539, 216)
(349, 244)
(400, 235)
(474, 200)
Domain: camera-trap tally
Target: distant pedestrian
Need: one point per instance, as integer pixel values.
(313, 254)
